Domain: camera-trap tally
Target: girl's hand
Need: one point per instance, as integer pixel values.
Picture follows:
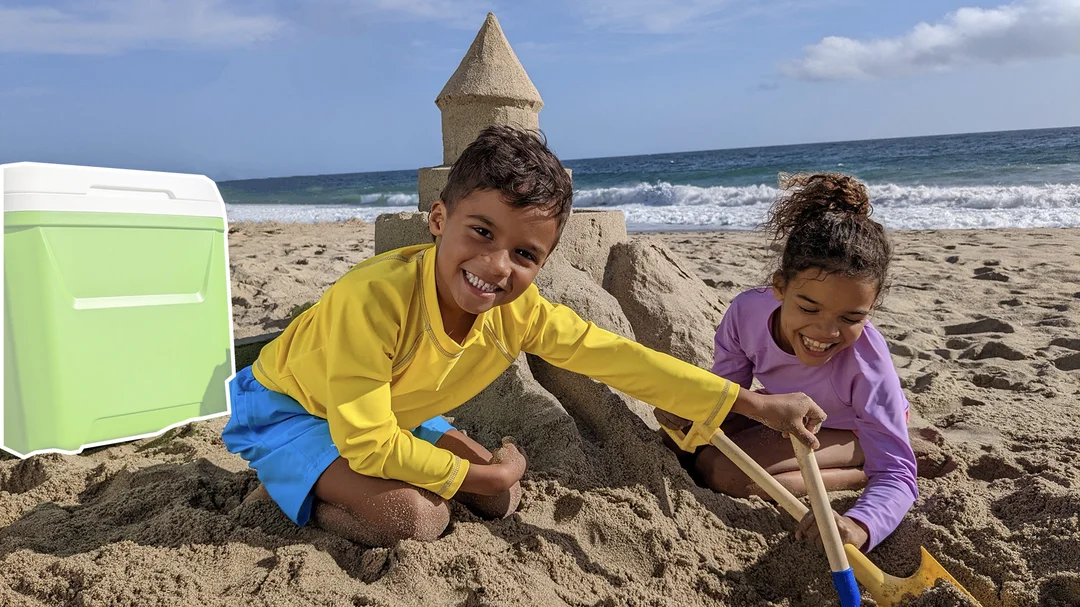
(851, 531)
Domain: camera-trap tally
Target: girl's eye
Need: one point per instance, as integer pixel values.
(850, 321)
(808, 311)
(527, 255)
(483, 232)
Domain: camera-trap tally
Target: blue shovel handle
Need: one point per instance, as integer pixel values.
(846, 588)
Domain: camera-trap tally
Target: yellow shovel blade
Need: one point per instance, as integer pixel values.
(889, 590)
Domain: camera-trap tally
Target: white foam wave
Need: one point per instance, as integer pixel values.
(895, 206)
(305, 213)
(396, 199)
(744, 208)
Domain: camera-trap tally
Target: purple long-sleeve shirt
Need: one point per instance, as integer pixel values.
(858, 388)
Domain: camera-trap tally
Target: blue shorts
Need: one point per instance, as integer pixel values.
(288, 447)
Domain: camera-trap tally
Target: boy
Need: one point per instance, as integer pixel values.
(324, 413)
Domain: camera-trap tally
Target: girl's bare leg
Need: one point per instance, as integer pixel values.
(840, 459)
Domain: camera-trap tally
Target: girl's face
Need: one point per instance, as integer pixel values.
(821, 314)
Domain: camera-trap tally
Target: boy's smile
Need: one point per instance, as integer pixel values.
(488, 253)
(821, 314)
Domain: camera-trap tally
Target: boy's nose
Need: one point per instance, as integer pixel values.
(499, 261)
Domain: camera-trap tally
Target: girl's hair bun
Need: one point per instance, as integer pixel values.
(811, 194)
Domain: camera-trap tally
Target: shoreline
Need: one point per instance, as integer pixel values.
(666, 229)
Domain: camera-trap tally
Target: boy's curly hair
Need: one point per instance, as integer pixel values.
(516, 162)
(824, 221)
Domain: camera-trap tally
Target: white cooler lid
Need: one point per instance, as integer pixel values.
(38, 186)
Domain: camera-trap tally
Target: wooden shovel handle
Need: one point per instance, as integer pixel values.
(819, 501)
(751, 468)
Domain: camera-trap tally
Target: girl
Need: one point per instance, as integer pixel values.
(810, 332)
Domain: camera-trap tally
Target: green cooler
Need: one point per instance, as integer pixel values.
(117, 317)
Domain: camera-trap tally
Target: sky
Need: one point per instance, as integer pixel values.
(261, 88)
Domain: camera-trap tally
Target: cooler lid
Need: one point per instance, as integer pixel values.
(38, 186)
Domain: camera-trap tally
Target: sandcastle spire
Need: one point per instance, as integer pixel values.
(490, 69)
(490, 86)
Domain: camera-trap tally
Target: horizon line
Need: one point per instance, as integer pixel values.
(665, 153)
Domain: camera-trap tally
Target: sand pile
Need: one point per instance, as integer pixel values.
(608, 517)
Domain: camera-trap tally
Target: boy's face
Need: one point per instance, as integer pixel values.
(821, 314)
(488, 251)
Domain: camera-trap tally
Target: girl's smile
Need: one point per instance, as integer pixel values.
(821, 314)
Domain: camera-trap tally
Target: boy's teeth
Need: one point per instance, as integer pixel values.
(479, 284)
(816, 346)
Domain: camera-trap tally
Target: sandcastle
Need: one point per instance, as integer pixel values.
(635, 287)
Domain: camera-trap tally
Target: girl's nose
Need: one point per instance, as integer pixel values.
(830, 328)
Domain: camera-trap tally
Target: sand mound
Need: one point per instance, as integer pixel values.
(607, 516)
(670, 308)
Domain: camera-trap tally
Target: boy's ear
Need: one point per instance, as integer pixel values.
(437, 218)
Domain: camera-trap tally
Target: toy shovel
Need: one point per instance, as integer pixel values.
(887, 590)
(842, 575)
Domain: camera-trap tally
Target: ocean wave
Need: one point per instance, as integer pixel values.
(306, 213)
(655, 206)
(887, 195)
(659, 205)
(391, 199)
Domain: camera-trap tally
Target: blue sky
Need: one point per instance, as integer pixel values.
(259, 88)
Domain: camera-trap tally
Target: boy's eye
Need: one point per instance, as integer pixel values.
(527, 255)
(483, 232)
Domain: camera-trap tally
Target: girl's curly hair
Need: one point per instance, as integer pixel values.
(823, 220)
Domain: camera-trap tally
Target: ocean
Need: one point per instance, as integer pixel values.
(981, 180)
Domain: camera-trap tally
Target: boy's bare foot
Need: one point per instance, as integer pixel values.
(493, 506)
(259, 493)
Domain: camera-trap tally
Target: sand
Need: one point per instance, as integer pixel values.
(982, 327)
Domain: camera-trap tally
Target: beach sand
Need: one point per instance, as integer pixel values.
(983, 330)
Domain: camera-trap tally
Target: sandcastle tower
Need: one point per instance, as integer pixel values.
(489, 87)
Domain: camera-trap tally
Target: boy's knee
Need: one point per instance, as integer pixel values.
(406, 515)
(419, 516)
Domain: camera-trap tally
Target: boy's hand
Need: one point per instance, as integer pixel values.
(851, 531)
(510, 460)
(794, 413)
(505, 469)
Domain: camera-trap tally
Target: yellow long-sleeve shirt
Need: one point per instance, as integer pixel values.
(372, 358)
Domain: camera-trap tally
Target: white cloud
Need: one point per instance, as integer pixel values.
(114, 26)
(1021, 31)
